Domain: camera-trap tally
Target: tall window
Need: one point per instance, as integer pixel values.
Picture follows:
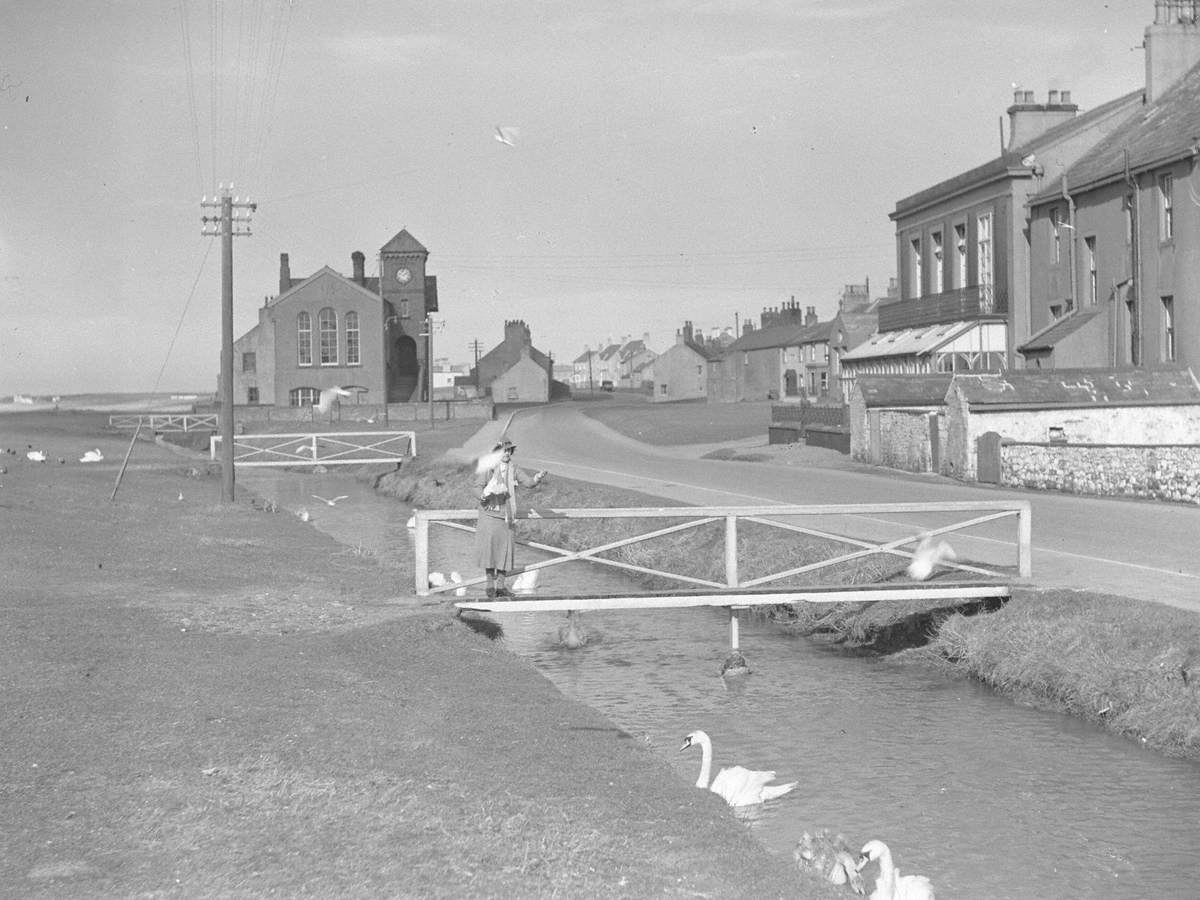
(249, 362)
(1166, 208)
(960, 246)
(353, 347)
(1056, 221)
(327, 320)
(983, 259)
(915, 262)
(304, 339)
(1089, 244)
(939, 263)
(1168, 320)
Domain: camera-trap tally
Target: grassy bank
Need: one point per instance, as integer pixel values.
(207, 699)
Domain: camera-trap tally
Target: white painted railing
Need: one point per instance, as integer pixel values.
(755, 591)
(162, 422)
(330, 448)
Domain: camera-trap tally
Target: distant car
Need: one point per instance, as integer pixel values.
(607, 385)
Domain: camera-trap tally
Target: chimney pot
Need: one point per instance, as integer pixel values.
(1029, 97)
(1066, 98)
(1053, 98)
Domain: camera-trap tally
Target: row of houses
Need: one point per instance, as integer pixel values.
(1078, 246)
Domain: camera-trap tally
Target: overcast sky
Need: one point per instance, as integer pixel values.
(674, 160)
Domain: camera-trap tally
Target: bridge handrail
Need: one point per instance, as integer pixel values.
(990, 510)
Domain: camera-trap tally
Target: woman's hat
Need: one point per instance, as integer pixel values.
(505, 444)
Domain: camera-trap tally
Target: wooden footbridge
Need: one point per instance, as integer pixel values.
(737, 593)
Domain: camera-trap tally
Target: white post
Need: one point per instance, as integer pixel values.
(733, 628)
(421, 554)
(731, 562)
(1025, 540)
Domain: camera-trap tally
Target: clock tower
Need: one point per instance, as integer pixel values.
(406, 303)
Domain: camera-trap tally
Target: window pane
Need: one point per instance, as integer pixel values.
(353, 356)
(329, 348)
(304, 339)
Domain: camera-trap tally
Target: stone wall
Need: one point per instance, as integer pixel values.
(1155, 472)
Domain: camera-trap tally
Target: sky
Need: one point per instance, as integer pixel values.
(674, 160)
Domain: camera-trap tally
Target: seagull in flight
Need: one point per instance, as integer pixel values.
(928, 556)
(507, 134)
(332, 502)
(328, 396)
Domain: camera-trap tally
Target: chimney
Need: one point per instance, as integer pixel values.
(1172, 45)
(1028, 119)
(810, 316)
(688, 334)
(285, 274)
(357, 259)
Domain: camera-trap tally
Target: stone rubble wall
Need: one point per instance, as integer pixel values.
(1154, 472)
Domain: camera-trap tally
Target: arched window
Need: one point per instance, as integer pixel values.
(353, 347)
(327, 321)
(303, 396)
(304, 339)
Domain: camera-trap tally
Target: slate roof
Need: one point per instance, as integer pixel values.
(903, 390)
(1080, 388)
(1048, 337)
(1165, 130)
(403, 242)
(768, 338)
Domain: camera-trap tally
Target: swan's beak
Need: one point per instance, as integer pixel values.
(862, 861)
(687, 742)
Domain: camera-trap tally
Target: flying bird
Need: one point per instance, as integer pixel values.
(328, 396)
(507, 134)
(92, 456)
(928, 556)
(332, 502)
(457, 578)
(488, 461)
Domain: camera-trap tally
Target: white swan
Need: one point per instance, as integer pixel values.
(36, 456)
(436, 579)
(457, 578)
(526, 582)
(739, 786)
(92, 456)
(891, 885)
(929, 556)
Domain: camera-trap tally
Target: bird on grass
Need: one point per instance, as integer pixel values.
(92, 456)
(461, 590)
(891, 885)
(737, 785)
(325, 401)
(830, 857)
(304, 514)
(35, 456)
(437, 579)
(332, 502)
(928, 556)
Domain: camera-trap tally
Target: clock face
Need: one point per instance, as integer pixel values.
(404, 276)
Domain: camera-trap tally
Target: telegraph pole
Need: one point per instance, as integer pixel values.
(224, 225)
(428, 335)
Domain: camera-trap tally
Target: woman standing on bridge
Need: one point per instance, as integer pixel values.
(497, 485)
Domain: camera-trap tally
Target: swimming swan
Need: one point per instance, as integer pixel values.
(572, 635)
(891, 885)
(739, 786)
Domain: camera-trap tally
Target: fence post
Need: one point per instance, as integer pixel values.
(731, 562)
(1025, 540)
(421, 554)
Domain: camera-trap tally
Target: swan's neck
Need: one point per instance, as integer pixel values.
(705, 762)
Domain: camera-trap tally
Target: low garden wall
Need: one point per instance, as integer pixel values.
(1155, 472)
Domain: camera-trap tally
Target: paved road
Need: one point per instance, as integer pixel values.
(1142, 550)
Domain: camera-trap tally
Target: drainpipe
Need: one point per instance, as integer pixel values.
(1071, 246)
(1135, 325)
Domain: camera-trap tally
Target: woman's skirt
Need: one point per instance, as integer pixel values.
(493, 543)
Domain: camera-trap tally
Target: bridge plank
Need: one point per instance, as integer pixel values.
(743, 597)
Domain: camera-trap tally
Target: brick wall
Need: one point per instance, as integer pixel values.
(1157, 472)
